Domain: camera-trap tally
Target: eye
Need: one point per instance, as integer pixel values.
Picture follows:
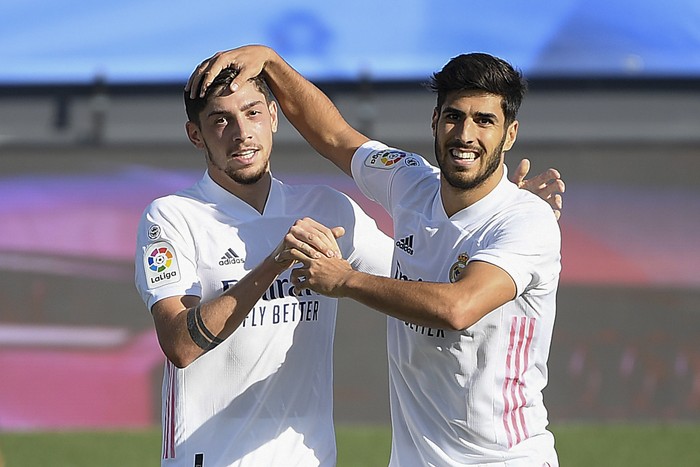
(220, 121)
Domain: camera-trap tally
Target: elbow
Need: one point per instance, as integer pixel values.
(459, 317)
(179, 359)
(179, 362)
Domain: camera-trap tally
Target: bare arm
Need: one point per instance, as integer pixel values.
(482, 288)
(187, 328)
(307, 108)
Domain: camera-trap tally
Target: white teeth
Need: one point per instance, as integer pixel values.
(465, 155)
(246, 154)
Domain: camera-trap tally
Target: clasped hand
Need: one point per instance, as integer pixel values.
(313, 246)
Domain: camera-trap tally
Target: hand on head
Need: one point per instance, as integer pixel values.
(249, 60)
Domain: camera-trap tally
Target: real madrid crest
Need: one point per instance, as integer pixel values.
(457, 268)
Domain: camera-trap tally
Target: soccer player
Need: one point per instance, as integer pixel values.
(471, 300)
(248, 377)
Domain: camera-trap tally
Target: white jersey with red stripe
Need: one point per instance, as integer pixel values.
(471, 397)
(264, 396)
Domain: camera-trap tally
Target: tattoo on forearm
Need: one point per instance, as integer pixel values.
(199, 333)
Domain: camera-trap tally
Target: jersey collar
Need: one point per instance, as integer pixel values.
(483, 208)
(234, 207)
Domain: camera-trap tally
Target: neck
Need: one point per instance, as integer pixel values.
(455, 199)
(254, 194)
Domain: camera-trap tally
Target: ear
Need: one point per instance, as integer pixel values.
(194, 134)
(434, 121)
(511, 136)
(272, 107)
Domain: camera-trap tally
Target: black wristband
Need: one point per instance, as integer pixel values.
(200, 322)
(195, 334)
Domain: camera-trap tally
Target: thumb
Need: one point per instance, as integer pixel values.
(338, 231)
(520, 172)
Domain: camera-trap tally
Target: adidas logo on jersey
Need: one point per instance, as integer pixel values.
(406, 244)
(230, 257)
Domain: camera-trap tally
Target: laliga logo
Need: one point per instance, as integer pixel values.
(392, 158)
(384, 159)
(457, 268)
(159, 260)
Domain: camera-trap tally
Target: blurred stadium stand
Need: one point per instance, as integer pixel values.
(77, 168)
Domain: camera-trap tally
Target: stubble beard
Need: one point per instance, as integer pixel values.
(493, 161)
(242, 178)
(239, 175)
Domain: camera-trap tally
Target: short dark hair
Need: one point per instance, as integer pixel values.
(223, 80)
(480, 72)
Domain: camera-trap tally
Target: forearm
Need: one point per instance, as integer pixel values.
(423, 303)
(196, 328)
(312, 113)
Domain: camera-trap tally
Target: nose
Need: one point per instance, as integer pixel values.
(240, 130)
(467, 131)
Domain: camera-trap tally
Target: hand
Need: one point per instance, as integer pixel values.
(323, 275)
(310, 239)
(250, 61)
(548, 185)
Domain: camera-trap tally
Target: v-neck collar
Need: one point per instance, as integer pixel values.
(234, 206)
(477, 211)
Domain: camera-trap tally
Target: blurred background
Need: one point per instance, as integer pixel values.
(91, 130)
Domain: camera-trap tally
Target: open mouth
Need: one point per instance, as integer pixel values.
(245, 155)
(464, 155)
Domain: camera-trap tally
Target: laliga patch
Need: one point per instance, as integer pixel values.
(385, 159)
(457, 268)
(160, 265)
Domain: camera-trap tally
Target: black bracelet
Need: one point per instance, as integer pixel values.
(200, 322)
(195, 334)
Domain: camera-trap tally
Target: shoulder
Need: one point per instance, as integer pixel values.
(527, 216)
(379, 156)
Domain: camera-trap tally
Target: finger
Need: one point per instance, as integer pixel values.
(549, 179)
(196, 82)
(520, 172)
(194, 78)
(299, 251)
(558, 202)
(338, 231)
(317, 235)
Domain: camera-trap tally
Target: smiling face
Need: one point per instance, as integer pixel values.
(470, 138)
(235, 131)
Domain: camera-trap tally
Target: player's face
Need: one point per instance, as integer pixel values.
(236, 132)
(470, 139)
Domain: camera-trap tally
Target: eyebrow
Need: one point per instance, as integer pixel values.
(246, 106)
(490, 115)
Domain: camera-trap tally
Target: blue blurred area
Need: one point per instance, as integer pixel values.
(72, 41)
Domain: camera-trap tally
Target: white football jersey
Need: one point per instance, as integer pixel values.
(264, 396)
(471, 397)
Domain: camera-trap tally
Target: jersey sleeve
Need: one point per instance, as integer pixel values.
(380, 172)
(527, 246)
(165, 260)
(372, 248)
